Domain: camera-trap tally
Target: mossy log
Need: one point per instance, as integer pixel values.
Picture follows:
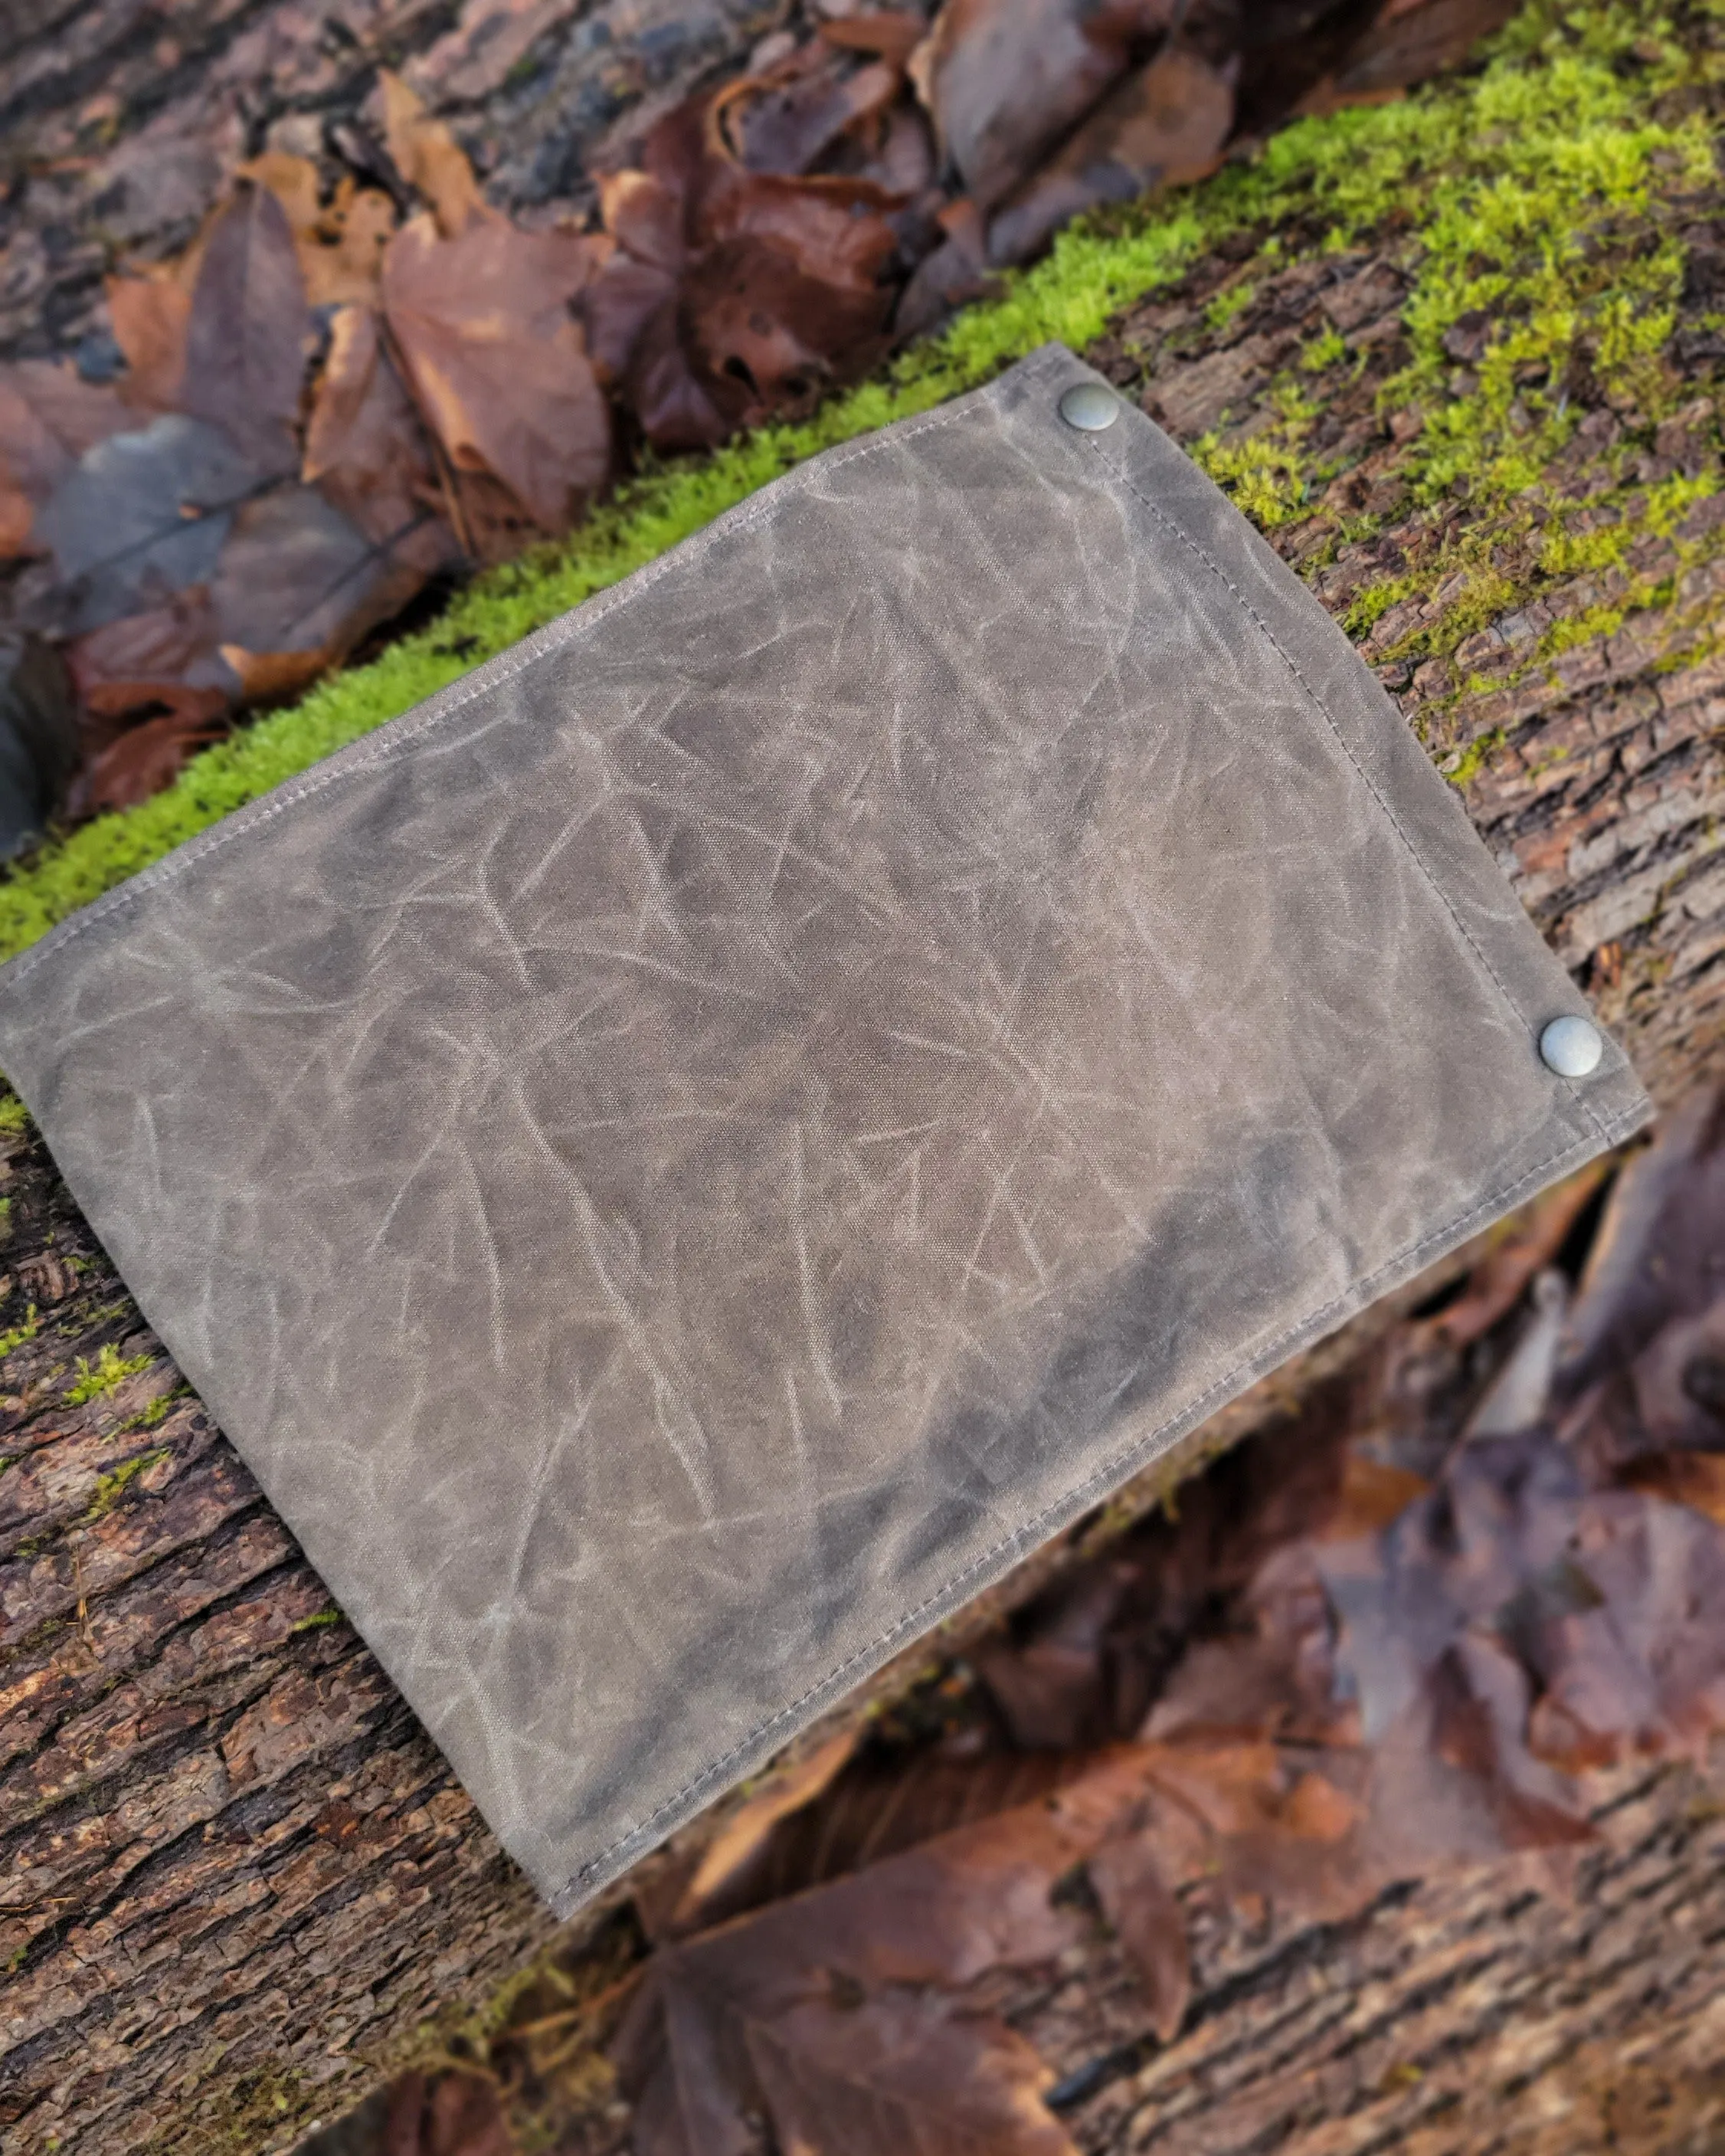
(238, 1886)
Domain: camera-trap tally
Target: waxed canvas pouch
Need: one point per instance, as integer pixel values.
(679, 1160)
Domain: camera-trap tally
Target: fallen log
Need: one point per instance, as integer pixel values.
(240, 1887)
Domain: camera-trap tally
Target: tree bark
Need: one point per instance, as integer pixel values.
(237, 1884)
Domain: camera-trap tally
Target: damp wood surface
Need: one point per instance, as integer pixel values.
(237, 1885)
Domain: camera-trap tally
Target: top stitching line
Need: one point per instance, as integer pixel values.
(1365, 778)
(575, 625)
(1626, 1119)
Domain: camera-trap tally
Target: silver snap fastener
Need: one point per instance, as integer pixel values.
(1571, 1047)
(1089, 407)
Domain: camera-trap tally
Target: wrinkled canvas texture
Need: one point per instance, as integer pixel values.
(681, 1159)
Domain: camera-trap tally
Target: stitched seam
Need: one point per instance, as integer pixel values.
(506, 667)
(1109, 1471)
(1323, 710)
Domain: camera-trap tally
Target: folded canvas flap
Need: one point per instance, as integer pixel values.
(679, 1160)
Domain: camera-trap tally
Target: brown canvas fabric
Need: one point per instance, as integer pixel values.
(678, 1161)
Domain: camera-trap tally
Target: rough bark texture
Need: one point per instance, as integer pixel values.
(237, 1884)
(1480, 2015)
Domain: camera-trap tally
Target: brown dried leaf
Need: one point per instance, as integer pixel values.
(340, 246)
(1162, 127)
(245, 340)
(1529, 1241)
(789, 2010)
(49, 418)
(148, 657)
(367, 448)
(1695, 1479)
(1007, 80)
(889, 34)
(452, 2115)
(151, 755)
(744, 1833)
(901, 2075)
(1139, 1902)
(1407, 43)
(875, 1809)
(428, 157)
(785, 121)
(150, 316)
(494, 361)
(644, 215)
(293, 182)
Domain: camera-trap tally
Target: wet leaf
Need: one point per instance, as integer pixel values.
(245, 340)
(495, 360)
(428, 157)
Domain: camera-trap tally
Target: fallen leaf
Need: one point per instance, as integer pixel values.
(1164, 125)
(1527, 1242)
(149, 755)
(785, 121)
(1695, 1479)
(293, 181)
(1007, 80)
(340, 245)
(149, 316)
(428, 157)
(645, 215)
(745, 1832)
(889, 34)
(49, 418)
(245, 340)
(874, 1809)
(495, 360)
(1138, 1902)
(952, 274)
(38, 737)
(454, 2114)
(1406, 46)
(787, 2010)
(367, 448)
(294, 576)
(146, 657)
(142, 516)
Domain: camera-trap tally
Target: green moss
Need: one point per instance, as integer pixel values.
(20, 1333)
(1516, 190)
(1467, 763)
(1233, 299)
(110, 1370)
(312, 1623)
(14, 1116)
(110, 1488)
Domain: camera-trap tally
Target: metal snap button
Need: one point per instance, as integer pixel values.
(1090, 408)
(1571, 1047)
